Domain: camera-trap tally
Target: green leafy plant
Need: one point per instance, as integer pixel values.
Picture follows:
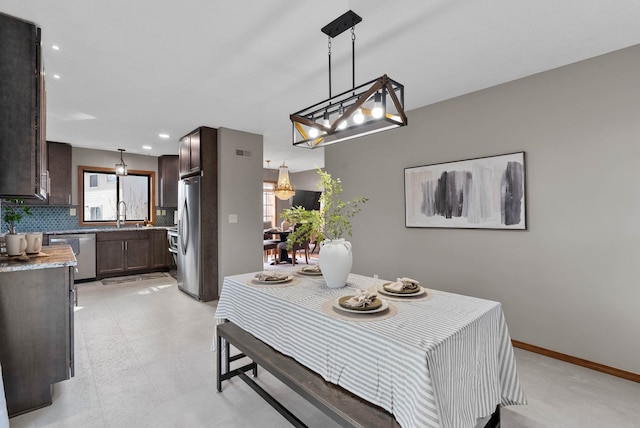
(331, 221)
(14, 209)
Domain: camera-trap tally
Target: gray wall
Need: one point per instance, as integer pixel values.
(240, 193)
(306, 180)
(571, 282)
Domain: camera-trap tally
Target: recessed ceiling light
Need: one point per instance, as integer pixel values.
(55, 47)
(147, 147)
(163, 135)
(56, 76)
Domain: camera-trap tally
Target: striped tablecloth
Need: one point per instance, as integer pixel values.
(442, 362)
(4, 415)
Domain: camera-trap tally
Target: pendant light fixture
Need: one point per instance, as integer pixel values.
(372, 107)
(284, 189)
(121, 167)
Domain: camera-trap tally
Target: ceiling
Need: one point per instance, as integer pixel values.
(130, 70)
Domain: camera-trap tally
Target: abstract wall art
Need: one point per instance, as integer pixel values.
(481, 193)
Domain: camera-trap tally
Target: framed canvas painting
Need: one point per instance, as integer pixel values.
(481, 193)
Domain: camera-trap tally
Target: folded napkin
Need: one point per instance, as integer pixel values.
(312, 269)
(271, 276)
(403, 285)
(362, 299)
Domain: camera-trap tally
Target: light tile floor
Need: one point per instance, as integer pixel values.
(143, 359)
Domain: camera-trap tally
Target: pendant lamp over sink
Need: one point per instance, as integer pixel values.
(372, 107)
(284, 189)
(121, 167)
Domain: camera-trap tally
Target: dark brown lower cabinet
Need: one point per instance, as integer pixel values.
(132, 251)
(36, 335)
(138, 254)
(160, 256)
(109, 256)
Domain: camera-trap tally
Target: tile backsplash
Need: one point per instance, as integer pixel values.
(167, 218)
(44, 219)
(49, 219)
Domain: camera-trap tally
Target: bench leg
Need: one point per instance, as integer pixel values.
(219, 363)
(228, 359)
(273, 402)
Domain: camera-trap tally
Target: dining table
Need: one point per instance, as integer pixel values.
(435, 359)
(283, 235)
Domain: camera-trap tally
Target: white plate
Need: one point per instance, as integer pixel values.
(310, 273)
(381, 290)
(280, 281)
(383, 307)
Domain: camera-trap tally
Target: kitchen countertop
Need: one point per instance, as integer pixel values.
(105, 229)
(58, 256)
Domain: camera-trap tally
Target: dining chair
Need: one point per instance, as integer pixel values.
(316, 245)
(294, 251)
(270, 246)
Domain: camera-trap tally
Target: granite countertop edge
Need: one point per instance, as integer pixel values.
(58, 256)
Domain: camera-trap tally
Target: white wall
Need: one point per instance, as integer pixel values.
(571, 282)
(239, 193)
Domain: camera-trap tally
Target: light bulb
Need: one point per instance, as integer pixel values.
(358, 117)
(343, 122)
(313, 133)
(325, 120)
(377, 110)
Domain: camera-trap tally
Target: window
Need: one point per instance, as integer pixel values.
(96, 212)
(104, 195)
(268, 202)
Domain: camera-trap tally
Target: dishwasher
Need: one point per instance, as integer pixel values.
(84, 247)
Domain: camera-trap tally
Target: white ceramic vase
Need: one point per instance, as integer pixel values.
(335, 262)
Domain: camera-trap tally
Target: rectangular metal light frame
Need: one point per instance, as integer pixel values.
(363, 96)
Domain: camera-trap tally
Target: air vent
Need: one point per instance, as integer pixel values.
(240, 152)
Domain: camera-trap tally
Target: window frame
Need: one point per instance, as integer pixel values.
(151, 176)
(275, 202)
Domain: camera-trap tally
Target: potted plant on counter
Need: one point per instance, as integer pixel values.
(13, 211)
(331, 223)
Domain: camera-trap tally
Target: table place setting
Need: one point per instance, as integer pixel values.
(362, 306)
(272, 278)
(313, 270)
(404, 289)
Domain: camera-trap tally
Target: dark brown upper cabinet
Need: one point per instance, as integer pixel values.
(190, 154)
(23, 152)
(59, 167)
(168, 173)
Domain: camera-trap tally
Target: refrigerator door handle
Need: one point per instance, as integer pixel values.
(184, 234)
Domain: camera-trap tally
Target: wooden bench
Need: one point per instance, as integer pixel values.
(343, 407)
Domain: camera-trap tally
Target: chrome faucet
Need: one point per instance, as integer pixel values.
(124, 214)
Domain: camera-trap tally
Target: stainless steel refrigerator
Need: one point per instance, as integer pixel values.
(189, 261)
